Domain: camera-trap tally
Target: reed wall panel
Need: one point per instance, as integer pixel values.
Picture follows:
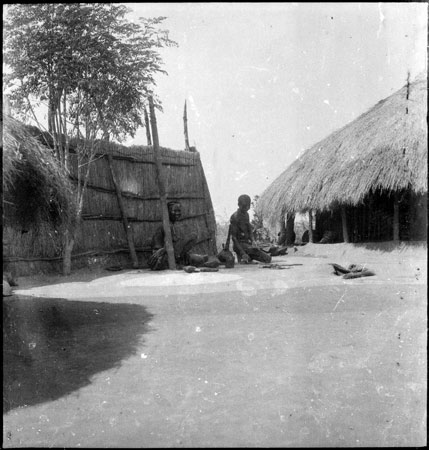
(100, 235)
(143, 232)
(100, 203)
(135, 173)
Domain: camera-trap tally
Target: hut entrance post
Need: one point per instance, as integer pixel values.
(344, 223)
(282, 233)
(395, 216)
(125, 222)
(161, 188)
(310, 226)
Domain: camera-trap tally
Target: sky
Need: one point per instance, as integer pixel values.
(266, 81)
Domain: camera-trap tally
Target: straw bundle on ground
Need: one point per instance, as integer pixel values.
(385, 149)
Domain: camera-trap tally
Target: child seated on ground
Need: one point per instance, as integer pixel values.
(241, 234)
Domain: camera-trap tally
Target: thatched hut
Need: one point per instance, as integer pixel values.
(121, 185)
(37, 196)
(366, 181)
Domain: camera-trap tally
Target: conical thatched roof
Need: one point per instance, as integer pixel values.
(30, 168)
(384, 148)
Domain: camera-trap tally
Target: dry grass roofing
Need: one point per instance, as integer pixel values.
(384, 148)
(31, 167)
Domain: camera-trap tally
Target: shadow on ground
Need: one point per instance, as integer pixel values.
(391, 246)
(52, 347)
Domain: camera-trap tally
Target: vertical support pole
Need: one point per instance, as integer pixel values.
(395, 216)
(127, 228)
(147, 126)
(282, 233)
(344, 222)
(310, 226)
(185, 127)
(161, 187)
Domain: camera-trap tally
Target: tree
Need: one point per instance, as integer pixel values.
(93, 67)
(261, 234)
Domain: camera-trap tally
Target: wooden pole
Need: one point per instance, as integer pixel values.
(6, 105)
(185, 127)
(128, 231)
(161, 188)
(310, 226)
(147, 126)
(395, 216)
(344, 222)
(282, 233)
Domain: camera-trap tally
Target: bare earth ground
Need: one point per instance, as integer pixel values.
(244, 357)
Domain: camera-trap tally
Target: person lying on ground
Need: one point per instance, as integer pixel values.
(241, 234)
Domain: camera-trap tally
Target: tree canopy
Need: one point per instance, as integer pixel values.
(89, 62)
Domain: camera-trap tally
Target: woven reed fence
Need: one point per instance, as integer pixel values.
(102, 235)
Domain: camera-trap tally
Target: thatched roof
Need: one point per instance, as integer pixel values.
(384, 148)
(30, 168)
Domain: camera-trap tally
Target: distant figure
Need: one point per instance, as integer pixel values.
(305, 237)
(182, 245)
(328, 237)
(241, 234)
(290, 238)
(281, 237)
(286, 236)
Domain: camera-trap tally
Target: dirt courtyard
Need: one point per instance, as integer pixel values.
(245, 357)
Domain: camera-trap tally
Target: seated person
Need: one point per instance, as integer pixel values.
(328, 237)
(181, 245)
(241, 234)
